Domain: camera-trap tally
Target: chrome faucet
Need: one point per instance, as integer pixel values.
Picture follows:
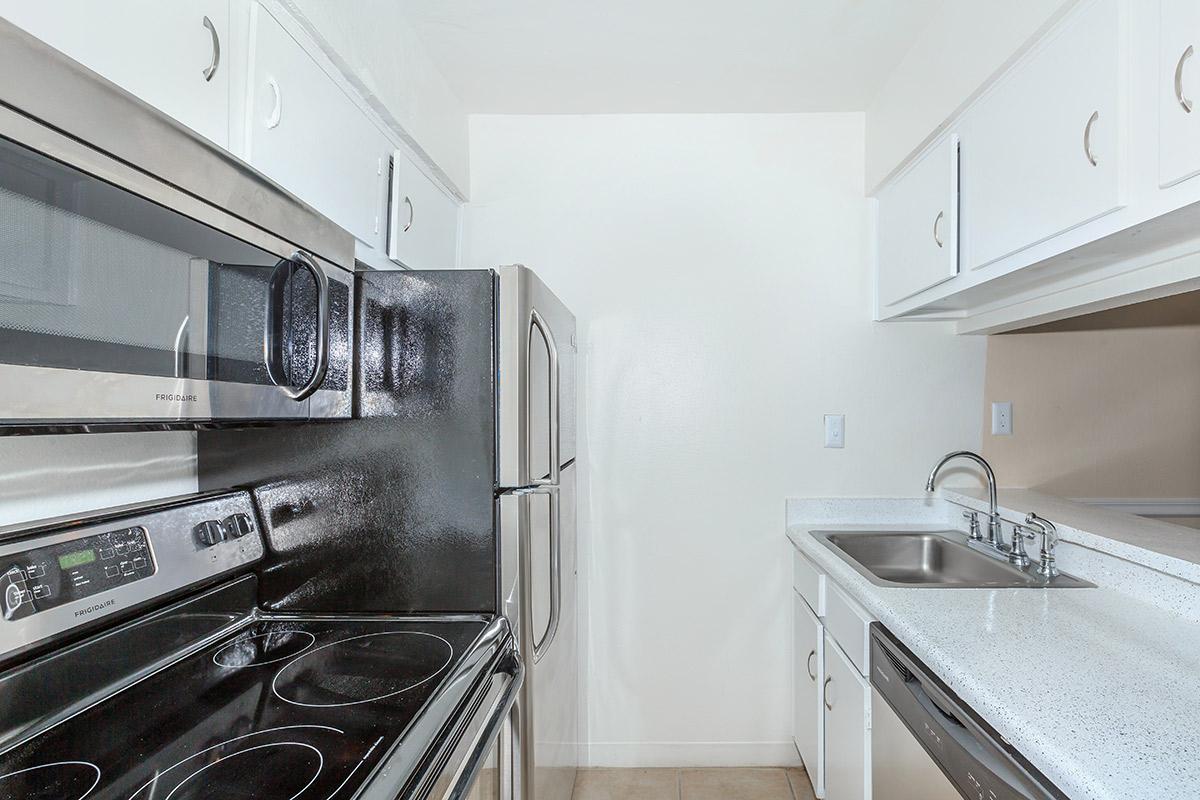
(994, 533)
(1046, 567)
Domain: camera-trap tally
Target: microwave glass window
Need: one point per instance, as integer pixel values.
(96, 278)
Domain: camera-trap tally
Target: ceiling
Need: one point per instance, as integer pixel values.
(598, 56)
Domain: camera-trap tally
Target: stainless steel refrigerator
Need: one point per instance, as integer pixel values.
(537, 537)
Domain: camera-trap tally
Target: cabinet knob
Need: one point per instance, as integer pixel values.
(937, 236)
(825, 694)
(812, 676)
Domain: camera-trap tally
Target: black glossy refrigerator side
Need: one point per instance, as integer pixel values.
(393, 510)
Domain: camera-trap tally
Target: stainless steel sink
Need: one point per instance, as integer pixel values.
(935, 559)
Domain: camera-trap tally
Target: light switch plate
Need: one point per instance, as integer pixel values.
(1002, 418)
(835, 430)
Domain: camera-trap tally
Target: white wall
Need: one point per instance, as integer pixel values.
(50, 476)
(717, 267)
(961, 47)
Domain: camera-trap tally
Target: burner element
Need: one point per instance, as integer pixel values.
(244, 768)
(60, 780)
(362, 669)
(278, 769)
(259, 649)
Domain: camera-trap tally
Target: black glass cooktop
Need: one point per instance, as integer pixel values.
(294, 710)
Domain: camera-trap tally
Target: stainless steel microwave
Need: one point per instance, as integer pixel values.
(147, 277)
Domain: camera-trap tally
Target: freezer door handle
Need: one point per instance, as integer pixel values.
(537, 322)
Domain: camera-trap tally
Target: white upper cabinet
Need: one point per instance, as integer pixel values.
(173, 55)
(1043, 150)
(422, 228)
(918, 224)
(304, 132)
(1179, 91)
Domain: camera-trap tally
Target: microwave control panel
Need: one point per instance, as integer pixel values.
(52, 581)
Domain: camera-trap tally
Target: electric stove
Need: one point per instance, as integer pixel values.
(211, 698)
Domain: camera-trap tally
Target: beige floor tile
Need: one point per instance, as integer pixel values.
(627, 784)
(735, 784)
(801, 785)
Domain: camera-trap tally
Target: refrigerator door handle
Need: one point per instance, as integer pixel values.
(536, 321)
(542, 644)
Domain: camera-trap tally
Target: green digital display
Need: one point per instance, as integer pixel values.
(76, 559)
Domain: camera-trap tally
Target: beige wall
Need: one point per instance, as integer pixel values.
(1104, 406)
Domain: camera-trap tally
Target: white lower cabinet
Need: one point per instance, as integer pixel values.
(809, 677)
(846, 697)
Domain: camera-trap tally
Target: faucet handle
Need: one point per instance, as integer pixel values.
(973, 518)
(1016, 552)
(1046, 566)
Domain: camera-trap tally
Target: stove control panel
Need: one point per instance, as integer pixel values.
(53, 580)
(74, 570)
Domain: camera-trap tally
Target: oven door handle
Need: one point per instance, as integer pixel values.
(274, 336)
(487, 721)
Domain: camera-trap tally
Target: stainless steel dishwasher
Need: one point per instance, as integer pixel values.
(926, 744)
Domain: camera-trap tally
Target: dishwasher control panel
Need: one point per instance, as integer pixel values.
(55, 579)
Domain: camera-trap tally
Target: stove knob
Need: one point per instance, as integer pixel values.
(239, 525)
(210, 532)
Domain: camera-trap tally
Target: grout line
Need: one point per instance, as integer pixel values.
(679, 784)
(787, 774)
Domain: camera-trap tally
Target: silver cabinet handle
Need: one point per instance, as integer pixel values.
(272, 340)
(536, 321)
(1184, 103)
(211, 69)
(1087, 138)
(825, 694)
(812, 676)
(411, 213)
(937, 221)
(276, 114)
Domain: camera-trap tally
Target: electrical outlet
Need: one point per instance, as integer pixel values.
(1002, 422)
(835, 430)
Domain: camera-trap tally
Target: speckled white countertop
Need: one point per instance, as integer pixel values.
(1098, 689)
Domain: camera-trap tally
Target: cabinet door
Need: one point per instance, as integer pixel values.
(809, 675)
(304, 132)
(423, 219)
(1042, 151)
(918, 225)
(163, 52)
(847, 700)
(1179, 91)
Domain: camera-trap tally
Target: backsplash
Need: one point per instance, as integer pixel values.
(48, 476)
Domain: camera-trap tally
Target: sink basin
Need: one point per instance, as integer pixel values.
(932, 559)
